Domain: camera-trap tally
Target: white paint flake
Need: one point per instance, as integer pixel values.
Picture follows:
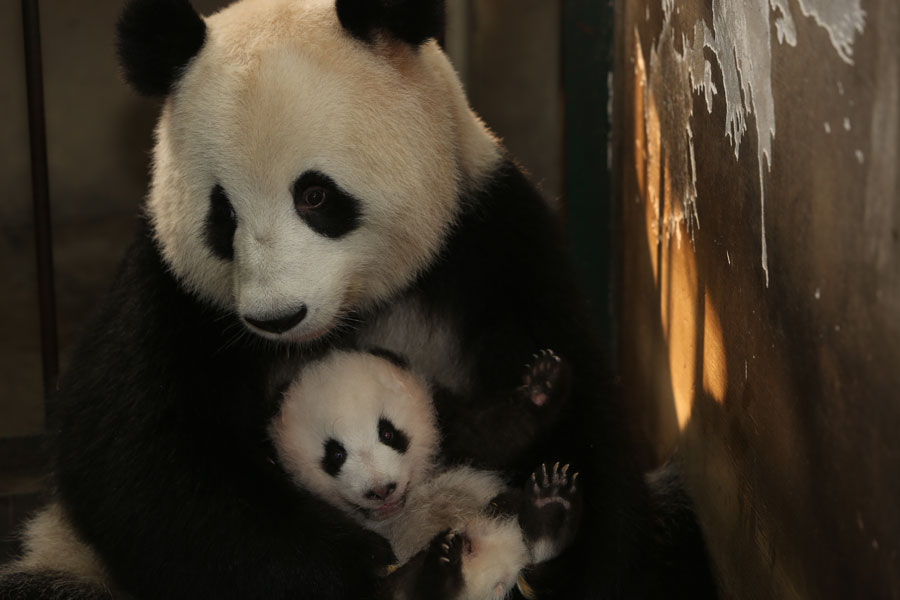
(818, 294)
(860, 157)
(827, 127)
(728, 256)
(739, 38)
(846, 123)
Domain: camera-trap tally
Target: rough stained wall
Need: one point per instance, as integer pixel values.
(758, 152)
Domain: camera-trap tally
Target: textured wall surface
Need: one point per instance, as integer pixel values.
(758, 146)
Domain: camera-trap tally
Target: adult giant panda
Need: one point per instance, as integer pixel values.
(318, 179)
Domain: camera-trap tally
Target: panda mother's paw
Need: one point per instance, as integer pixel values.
(551, 510)
(546, 378)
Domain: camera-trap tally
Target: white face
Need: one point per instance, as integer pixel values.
(358, 431)
(300, 174)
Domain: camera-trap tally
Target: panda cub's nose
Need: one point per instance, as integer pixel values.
(280, 324)
(381, 492)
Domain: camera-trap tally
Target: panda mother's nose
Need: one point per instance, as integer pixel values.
(278, 324)
(381, 492)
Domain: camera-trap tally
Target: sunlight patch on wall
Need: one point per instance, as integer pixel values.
(715, 367)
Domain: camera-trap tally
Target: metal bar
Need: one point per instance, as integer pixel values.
(40, 194)
(587, 52)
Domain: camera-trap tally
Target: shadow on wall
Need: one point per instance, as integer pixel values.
(773, 377)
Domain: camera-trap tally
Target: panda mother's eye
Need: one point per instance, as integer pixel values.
(326, 208)
(220, 225)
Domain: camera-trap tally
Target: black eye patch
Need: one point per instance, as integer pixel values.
(391, 436)
(334, 458)
(324, 207)
(221, 222)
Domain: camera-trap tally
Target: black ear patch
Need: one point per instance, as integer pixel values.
(392, 357)
(156, 40)
(411, 21)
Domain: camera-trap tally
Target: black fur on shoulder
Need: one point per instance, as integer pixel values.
(156, 40)
(412, 21)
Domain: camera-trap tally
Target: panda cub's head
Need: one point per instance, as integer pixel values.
(310, 154)
(358, 430)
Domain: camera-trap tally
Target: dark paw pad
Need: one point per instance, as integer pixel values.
(553, 486)
(552, 506)
(544, 377)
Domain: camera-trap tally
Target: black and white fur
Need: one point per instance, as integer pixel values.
(319, 178)
(360, 431)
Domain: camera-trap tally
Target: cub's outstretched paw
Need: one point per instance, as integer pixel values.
(450, 548)
(441, 574)
(553, 486)
(551, 510)
(546, 377)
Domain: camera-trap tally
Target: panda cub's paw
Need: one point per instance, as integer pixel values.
(546, 377)
(551, 510)
(441, 576)
(450, 548)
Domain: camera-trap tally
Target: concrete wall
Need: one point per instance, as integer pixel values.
(758, 146)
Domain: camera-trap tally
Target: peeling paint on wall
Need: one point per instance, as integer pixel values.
(740, 40)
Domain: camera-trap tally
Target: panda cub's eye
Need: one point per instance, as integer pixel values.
(335, 456)
(390, 436)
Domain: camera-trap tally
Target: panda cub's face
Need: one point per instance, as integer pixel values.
(358, 431)
(301, 174)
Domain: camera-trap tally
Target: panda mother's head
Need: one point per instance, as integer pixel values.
(309, 156)
(359, 431)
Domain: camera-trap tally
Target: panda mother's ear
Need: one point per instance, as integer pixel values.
(411, 21)
(156, 41)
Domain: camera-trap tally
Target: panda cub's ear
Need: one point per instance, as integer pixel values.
(156, 40)
(411, 21)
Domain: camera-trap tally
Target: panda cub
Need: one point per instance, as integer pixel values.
(359, 430)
